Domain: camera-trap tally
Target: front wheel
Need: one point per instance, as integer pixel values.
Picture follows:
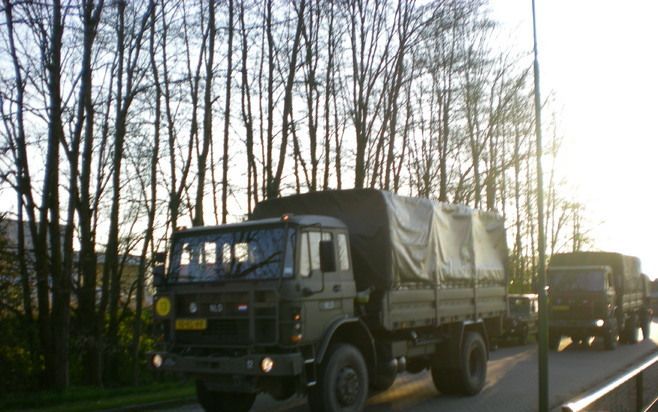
(579, 339)
(523, 337)
(217, 401)
(610, 339)
(343, 382)
(554, 341)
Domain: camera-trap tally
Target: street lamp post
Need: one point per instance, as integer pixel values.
(541, 275)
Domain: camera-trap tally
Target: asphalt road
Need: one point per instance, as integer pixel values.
(512, 381)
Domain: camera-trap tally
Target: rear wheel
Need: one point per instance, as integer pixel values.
(217, 401)
(343, 382)
(646, 328)
(471, 372)
(630, 331)
(554, 341)
(444, 381)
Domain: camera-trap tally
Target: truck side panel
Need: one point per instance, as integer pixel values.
(417, 308)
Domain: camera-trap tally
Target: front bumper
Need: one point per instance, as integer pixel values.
(289, 364)
(590, 327)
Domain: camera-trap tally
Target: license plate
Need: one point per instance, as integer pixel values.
(561, 308)
(191, 324)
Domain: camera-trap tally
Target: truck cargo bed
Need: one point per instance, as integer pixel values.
(405, 309)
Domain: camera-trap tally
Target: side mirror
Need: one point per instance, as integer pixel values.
(160, 257)
(327, 256)
(158, 275)
(159, 269)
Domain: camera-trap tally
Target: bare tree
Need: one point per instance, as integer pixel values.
(150, 199)
(369, 44)
(227, 111)
(202, 157)
(129, 74)
(247, 115)
(274, 184)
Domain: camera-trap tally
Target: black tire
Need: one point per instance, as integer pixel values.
(579, 340)
(217, 401)
(646, 329)
(383, 381)
(523, 338)
(343, 382)
(554, 341)
(445, 381)
(630, 331)
(610, 338)
(471, 373)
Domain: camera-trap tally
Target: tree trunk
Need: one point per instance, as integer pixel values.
(227, 113)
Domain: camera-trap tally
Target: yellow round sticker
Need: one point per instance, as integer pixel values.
(162, 306)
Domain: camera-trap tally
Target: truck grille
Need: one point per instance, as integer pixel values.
(577, 308)
(233, 318)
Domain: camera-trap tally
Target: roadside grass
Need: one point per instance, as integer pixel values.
(82, 399)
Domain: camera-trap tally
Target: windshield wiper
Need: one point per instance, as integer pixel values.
(269, 260)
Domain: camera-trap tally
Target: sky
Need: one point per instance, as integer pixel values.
(599, 60)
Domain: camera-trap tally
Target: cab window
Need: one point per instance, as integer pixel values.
(343, 253)
(309, 251)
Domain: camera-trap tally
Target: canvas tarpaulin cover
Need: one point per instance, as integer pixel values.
(399, 241)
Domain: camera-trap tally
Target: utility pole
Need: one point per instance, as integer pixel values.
(541, 275)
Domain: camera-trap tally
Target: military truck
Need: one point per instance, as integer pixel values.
(331, 294)
(522, 320)
(599, 294)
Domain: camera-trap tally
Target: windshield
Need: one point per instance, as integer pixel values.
(519, 306)
(580, 280)
(258, 253)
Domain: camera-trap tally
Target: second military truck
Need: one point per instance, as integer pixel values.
(597, 294)
(331, 294)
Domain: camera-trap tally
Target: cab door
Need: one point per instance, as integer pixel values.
(326, 294)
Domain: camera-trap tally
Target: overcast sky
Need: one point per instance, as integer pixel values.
(600, 60)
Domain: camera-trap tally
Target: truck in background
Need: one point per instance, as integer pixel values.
(331, 294)
(522, 320)
(597, 294)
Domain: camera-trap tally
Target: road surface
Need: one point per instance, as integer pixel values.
(512, 381)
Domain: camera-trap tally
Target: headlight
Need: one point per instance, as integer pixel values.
(193, 307)
(163, 306)
(266, 364)
(157, 360)
(599, 322)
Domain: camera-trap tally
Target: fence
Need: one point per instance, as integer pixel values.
(635, 390)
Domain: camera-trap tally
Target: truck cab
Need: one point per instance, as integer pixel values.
(582, 303)
(236, 302)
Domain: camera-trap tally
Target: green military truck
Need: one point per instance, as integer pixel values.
(597, 294)
(331, 294)
(523, 318)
